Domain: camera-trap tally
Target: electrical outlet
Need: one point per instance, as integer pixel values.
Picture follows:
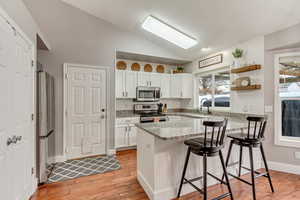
(297, 155)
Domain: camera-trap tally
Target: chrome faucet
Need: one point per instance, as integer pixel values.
(201, 105)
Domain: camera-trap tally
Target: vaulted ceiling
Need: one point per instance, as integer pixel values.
(214, 23)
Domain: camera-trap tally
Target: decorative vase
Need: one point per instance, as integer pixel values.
(237, 62)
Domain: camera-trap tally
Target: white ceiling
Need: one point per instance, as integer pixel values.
(214, 23)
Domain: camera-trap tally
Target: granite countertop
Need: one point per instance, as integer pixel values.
(188, 128)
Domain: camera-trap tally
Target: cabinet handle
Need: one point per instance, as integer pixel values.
(126, 94)
(123, 94)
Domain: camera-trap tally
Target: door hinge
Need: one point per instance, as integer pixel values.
(32, 170)
(32, 63)
(32, 117)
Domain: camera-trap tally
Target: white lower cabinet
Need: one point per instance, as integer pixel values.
(125, 132)
(120, 136)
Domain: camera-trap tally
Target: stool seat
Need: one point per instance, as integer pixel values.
(199, 147)
(243, 138)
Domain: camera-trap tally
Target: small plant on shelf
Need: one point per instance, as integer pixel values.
(238, 53)
(179, 69)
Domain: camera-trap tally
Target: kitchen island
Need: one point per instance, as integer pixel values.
(161, 153)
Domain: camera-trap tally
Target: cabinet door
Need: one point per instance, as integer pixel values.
(155, 80)
(120, 84)
(121, 136)
(165, 86)
(176, 86)
(132, 135)
(130, 84)
(144, 79)
(187, 86)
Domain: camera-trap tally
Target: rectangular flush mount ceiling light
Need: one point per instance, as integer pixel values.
(168, 33)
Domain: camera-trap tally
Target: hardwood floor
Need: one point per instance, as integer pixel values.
(123, 185)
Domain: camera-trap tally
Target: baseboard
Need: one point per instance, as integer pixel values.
(111, 152)
(283, 167)
(56, 159)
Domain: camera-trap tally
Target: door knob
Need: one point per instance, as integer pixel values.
(19, 138)
(12, 140)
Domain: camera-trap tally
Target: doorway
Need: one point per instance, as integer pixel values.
(85, 110)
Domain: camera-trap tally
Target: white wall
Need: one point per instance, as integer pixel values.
(241, 101)
(77, 37)
(281, 39)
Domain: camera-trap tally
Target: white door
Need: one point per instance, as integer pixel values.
(86, 110)
(130, 84)
(16, 105)
(165, 85)
(144, 79)
(120, 84)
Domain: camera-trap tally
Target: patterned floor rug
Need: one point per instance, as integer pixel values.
(84, 167)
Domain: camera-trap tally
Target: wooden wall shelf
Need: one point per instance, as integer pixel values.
(251, 87)
(246, 69)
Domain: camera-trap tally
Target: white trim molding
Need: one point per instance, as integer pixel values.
(111, 152)
(278, 138)
(56, 159)
(283, 167)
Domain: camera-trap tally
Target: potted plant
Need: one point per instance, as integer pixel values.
(179, 69)
(237, 55)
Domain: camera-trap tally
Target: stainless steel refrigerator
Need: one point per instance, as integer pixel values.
(46, 121)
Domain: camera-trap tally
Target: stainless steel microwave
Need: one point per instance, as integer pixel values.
(149, 94)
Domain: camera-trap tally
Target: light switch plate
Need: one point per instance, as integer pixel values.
(297, 155)
(268, 109)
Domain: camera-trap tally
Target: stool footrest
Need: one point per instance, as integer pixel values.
(234, 176)
(218, 179)
(194, 186)
(193, 179)
(259, 174)
(222, 196)
(232, 164)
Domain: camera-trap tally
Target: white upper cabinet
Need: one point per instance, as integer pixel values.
(182, 86)
(165, 85)
(176, 86)
(172, 85)
(130, 84)
(126, 83)
(144, 79)
(120, 84)
(155, 80)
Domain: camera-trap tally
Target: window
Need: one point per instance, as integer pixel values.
(287, 99)
(214, 90)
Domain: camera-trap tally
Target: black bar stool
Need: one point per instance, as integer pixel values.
(209, 145)
(250, 140)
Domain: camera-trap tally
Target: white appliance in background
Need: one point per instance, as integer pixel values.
(45, 120)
